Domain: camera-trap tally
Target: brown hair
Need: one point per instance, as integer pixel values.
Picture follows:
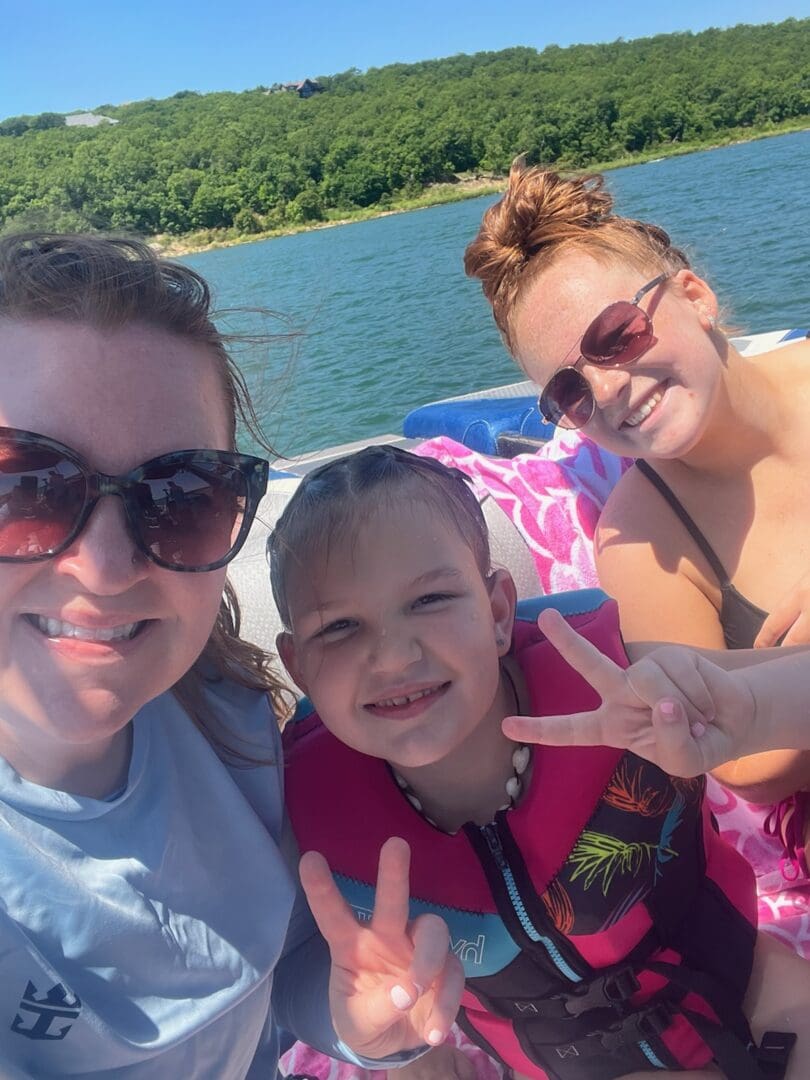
(542, 214)
(110, 282)
(332, 500)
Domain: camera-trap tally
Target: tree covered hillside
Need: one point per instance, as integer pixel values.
(257, 160)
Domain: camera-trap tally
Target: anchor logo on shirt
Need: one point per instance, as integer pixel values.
(56, 1005)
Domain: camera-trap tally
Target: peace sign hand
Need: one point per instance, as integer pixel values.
(394, 984)
(673, 706)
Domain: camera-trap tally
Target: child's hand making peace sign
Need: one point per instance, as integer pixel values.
(394, 985)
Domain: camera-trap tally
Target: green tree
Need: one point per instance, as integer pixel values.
(197, 161)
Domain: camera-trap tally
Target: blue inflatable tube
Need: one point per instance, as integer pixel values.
(478, 422)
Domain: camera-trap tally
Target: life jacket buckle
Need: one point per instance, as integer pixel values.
(639, 1025)
(774, 1052)
(610, 990)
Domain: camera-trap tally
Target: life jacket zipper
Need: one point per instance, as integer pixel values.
(490, 833)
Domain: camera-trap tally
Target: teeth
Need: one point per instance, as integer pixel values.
(56, 628)
(644, 411)
(388, 702)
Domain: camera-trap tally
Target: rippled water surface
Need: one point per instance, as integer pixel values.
(391, 321)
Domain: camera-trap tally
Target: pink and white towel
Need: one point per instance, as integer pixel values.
(783, 888)
(553, 498)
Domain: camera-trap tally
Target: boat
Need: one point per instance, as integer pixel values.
(502, 422)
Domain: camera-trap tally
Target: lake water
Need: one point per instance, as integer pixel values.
(391, 321)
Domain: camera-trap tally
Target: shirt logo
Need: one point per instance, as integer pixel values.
(42, 1012)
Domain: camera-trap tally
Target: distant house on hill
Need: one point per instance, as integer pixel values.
(305, 89)
(88, 119)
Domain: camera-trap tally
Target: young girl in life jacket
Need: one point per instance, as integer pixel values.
(605, 929)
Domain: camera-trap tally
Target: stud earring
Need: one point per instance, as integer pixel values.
(711, 320)
(500, 641)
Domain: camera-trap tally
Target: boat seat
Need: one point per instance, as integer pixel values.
(479, 423)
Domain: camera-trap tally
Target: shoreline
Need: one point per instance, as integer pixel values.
(464, 187)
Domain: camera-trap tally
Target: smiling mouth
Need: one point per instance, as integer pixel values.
(646, 407)
(56, 628)
(407, 699)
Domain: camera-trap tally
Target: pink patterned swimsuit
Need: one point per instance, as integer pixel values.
(783, 884)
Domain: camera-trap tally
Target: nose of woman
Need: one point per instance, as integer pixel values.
(609, 385)
(103, 558)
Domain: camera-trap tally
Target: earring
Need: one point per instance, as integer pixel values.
(500, 641)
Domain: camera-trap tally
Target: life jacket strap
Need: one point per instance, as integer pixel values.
(611, 989)
(730, 1041)
(727, 1008)
(774, 1053)
(639, 1026)
(606, 994)
(617, 1034)
(738, 1062)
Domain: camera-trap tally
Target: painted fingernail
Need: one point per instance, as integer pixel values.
(667, 708)
(419, 989)
(400, 998)
(698, 728)
(435, 1037)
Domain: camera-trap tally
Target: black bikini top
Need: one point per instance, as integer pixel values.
(741, 620)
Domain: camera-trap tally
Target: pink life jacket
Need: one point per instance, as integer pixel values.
(603, 925)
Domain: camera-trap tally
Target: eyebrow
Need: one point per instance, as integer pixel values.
(435, 575)
(423, 579)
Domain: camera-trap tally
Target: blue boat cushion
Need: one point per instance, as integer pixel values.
(477, 422)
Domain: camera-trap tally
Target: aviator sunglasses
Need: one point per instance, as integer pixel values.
(189, 510)
(620, 334)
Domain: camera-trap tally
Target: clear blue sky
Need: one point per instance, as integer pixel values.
(59, 56)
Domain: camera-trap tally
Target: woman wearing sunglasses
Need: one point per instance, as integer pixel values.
(707, 535)
(146, 891)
